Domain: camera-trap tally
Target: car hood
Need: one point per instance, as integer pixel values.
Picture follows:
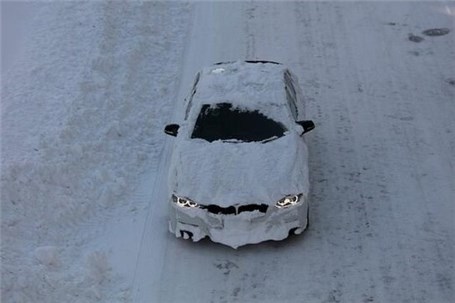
(239, 173)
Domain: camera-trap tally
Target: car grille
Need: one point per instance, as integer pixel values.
(235, 210)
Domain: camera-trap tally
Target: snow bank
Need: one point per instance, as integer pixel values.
(81, 113)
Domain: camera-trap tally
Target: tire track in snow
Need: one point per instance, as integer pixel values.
(194, 267)
(334, 166)
(152, 249)
(372, 87)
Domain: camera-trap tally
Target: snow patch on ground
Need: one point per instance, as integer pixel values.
(80, 125)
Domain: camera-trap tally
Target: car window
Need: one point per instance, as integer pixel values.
(190, 98)
(226, 122)
(290, 94)
(291, 103)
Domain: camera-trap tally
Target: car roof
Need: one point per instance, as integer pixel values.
(242, 83)
(249, 61)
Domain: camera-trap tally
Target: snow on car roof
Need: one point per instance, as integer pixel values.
(242, 83)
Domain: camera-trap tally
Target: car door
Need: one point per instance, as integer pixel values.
(294, 96)
(291, 95)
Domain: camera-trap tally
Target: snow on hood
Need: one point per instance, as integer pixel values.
(239, 173)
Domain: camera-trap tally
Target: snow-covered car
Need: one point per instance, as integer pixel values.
(239, 171)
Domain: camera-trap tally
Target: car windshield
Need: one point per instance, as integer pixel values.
(228, 123)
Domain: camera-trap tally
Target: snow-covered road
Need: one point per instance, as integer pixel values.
(382, 157)
(378, 158)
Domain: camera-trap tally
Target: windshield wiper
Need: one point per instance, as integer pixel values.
(269, 139)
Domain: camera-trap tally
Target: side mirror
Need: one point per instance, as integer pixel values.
(172, 129)
(307, 125)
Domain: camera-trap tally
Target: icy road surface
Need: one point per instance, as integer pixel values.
(84, 190)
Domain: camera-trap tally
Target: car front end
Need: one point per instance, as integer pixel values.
(239, 224)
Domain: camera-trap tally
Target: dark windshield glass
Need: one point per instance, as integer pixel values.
(225, 122)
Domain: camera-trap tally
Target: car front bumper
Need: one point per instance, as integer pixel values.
(240, 229)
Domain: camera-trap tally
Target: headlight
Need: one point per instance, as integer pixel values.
(184, 202)
(289, 201)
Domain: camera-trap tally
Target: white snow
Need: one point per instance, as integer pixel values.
(226, 174)
(84, 159)
(80, 125)
(48, 256)
(16, 21)
(253, 84)
(247, 86)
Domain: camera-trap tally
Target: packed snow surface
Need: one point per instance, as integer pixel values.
(82, 116)
(84, 160)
